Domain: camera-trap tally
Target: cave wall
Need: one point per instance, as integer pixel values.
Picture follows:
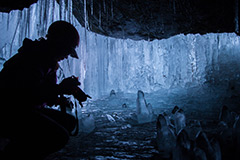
(127, 65)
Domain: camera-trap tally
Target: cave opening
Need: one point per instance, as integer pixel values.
(167, 66)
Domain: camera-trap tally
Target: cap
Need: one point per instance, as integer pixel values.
(73, 53)
(64, 35)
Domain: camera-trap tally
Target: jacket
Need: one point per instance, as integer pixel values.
(29, 77)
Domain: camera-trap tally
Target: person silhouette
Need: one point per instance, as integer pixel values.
(28, 84)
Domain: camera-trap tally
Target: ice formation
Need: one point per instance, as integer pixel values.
(227, 116)
(193, 129)
(125, 65)
(191, 141)
(237, 136)
(166, 138)
(110, 118)
(87, 124)
(199, 148)
(144, 110)
(212, 149)
(179, 121)
(183, 145)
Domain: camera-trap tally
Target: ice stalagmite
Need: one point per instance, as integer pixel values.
(166, 138)
(144, 111)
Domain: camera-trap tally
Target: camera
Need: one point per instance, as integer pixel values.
(77, 92)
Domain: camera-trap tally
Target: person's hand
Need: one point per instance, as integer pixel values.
(80, 95)
(66, 102)
(69, 85)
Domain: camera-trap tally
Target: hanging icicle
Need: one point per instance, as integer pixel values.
(40, 19)
(15, 33)
(148, 38)
(53, 9)
(85, 15)
(123, 33)
(174, 7)
(104, 6)
(100, 16)
(8, 16)
(60, 13)
(107, 17)
(236, 16)
(27, 19)
(62, 9)
(70, 11)
(91, 7)
(20, 30)
(112, 8)
(45, 17)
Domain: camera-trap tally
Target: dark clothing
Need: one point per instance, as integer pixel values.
(36, 134)
(29, 76)
(27, 84)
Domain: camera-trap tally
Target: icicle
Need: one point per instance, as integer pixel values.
(86, 25)
(42, 11)
(8, 19)
(85, 15)
(91, 7)
(85, 50)
(174, 7)
(100, 16)
(29, 23)
(27, 31)
(60, 13)
(112, 8)
(236, 16)
(193, 58)
(53, 9)
(20, 30)
(40, 17)
(45, 18)
(15, 32)
(64, 11)
(107, 16)
(104, 6)
(70, 11)
(61, 9)
(23, 26)
(123, 33)
(69, 66)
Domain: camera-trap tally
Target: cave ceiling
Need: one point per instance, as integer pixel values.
(149, 19)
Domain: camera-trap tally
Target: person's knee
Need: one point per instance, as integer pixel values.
(60, 140)
(71, 123)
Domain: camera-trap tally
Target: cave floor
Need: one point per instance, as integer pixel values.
(124, 138)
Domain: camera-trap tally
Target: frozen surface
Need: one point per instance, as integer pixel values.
(125, 65)
(118, 134)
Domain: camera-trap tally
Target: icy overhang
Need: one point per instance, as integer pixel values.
(9, 5)
(148, 20)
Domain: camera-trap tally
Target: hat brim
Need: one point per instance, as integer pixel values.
(73, 53)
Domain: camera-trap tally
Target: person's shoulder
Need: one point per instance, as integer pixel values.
(26, 45)
(32, 45)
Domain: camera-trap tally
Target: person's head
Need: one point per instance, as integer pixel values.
(64, 38)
